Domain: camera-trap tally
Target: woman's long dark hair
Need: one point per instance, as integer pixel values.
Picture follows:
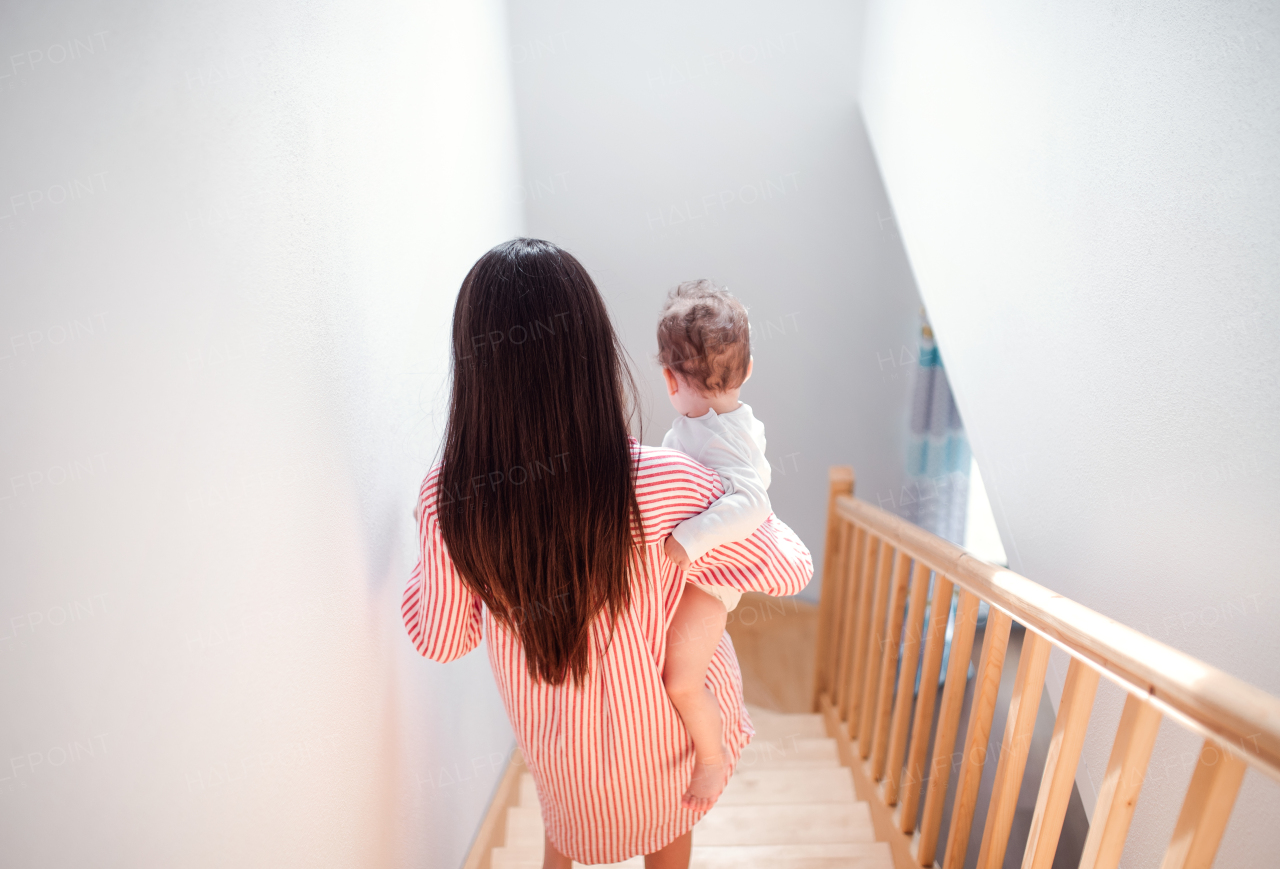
(537, 498)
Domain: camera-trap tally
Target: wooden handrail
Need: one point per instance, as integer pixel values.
(872, 623)
(1205, 699)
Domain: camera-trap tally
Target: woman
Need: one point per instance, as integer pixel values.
(542, 527)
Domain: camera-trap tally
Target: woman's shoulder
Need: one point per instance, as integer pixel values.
(429, 491)
(665, 474)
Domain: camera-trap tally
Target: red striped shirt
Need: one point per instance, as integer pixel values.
(611, 758)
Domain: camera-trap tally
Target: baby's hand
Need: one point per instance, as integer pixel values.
(676, 552)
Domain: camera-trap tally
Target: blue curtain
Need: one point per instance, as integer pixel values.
(936, 495)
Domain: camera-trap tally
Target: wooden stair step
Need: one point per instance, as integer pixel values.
(818, 823)
(795, 785)
(789, 785)
(843, 855)
(797, 752)
(780, 725)
(847, 855)
(524, 827)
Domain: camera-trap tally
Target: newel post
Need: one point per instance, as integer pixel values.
(840, 481)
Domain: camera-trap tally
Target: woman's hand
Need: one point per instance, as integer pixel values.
(676, 552)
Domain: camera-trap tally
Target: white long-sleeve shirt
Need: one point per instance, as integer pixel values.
(731, 444)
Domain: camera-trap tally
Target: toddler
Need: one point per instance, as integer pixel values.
(704, 347)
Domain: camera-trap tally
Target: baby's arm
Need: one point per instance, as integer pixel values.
(737, 513)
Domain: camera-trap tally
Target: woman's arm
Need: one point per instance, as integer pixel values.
(772, 560)
(441, 614)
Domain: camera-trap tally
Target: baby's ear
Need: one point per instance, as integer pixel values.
(751, 363)
(673, 385)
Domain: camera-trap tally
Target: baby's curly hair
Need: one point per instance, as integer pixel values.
(704, 336)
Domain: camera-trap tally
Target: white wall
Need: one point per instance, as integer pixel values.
(671, 141)
(222, 356)
(1088, 196)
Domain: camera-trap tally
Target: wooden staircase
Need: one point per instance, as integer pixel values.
(893, 598)
(789, 805)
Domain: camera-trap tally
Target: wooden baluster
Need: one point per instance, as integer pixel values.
(875, 641)
(922, 723)
(1205, 810)
(994, 643)
(839, 482)
(1060, 765)
(906, 681)
(1014, 746)
(852, 706)
(889, 663)
(1118, 796)
(948, 725)
(851, 576)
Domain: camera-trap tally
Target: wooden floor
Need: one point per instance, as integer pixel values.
(776, 640)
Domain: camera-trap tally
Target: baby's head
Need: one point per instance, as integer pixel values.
(704, 346)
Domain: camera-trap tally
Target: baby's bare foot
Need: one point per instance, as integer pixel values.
(710, 774)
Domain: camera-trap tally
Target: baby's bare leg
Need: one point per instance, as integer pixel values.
(695, 631)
